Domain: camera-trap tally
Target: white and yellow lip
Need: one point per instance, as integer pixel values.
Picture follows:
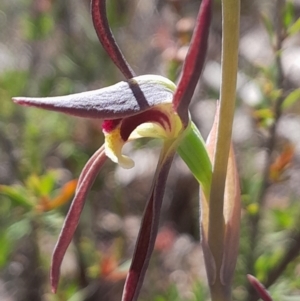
(160, 122)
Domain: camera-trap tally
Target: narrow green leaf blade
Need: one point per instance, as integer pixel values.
(292, 98)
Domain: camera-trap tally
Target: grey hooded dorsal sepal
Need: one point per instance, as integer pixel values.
(123, 99)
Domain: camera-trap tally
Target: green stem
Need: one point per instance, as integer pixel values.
(230, 39)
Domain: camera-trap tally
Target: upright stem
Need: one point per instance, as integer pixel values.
(230, 25)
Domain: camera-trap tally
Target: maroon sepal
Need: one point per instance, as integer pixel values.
(106, 38)
(193, 63)
(260, 289)
(85, 182)
(148, 232)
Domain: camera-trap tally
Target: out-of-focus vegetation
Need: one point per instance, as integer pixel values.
(49, 47)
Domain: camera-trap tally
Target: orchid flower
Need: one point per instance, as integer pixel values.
(141, 106)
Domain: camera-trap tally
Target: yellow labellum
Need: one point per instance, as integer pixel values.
(167, 128)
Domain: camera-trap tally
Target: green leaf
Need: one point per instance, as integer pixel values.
(200, 292)
(47, 182)
(283, 218)
(17, 195)
(288, 14)
(37, 28)
(268, 25)
(192, 150)
(11, 83)
(19, 229)
(33, 183)
(292, 98)
(53, 222)
(80, 295)
(41, 185)
(5, 248)
(294, 28)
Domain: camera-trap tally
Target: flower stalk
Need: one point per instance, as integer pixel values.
(216, 227)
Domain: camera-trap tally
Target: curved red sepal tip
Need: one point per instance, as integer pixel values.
(106, 38)
(85, 182)
(21, 101)
(194, 62)
(260, 289)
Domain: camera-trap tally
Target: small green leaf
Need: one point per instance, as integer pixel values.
(199, 290)
(292, 98)
(52, 222)
(5, 248)
(275, 94)
(80, 295)
(37, 28)
(283, 218)
(17, 195)
(288, 14)
(47, 182)
(294, 28)
(33, 183)
(19, 229)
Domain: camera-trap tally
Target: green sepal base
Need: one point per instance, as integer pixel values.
(192, 150)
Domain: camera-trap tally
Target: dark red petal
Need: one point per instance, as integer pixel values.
(148, 232)
(89, 163)
(98, 8)
(194, 62)
(260, 289)
(84, 184)
(129, 124)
